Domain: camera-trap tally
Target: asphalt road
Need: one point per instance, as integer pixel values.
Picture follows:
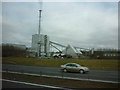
(7, 84)
(93, 74)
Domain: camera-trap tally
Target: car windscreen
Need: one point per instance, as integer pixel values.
(78, 65)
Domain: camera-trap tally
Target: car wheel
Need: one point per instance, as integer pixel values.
(64, 70)
(81, 71)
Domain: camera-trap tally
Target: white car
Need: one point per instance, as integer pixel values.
(74, 67)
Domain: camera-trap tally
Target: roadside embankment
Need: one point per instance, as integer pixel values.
(97, 64)
(57, 82)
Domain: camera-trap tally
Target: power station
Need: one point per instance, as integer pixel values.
(40, 42)
(42, 48)
(41, 45)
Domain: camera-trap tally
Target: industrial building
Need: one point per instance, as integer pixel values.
(106, 54)
(40, 45)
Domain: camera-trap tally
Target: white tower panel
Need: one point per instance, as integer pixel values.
(40, 44)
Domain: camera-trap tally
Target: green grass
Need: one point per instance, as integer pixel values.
(100, 64)
(58, 82)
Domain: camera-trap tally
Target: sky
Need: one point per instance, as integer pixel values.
(81, 24)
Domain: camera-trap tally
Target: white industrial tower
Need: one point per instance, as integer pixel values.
(40, 42)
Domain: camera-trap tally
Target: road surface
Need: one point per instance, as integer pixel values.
(6, 84)
(53, 71)
(18, 84)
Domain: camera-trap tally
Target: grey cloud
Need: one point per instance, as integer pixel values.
(75, 23)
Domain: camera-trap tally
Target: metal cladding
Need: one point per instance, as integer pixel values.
(40, 44)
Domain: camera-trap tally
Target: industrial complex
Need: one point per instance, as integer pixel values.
(41, 47)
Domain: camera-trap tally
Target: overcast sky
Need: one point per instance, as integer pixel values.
(81, 24)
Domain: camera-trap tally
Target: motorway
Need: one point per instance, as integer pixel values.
(18, 84)
(54, 71)
(6, 84)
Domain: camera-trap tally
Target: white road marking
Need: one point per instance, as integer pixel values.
(62, 77)
(34, 84)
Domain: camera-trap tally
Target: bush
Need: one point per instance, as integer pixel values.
(12, 51)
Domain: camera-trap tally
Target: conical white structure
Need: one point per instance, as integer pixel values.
(70, 50)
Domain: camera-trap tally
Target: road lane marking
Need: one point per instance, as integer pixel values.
(62, 77)
(33, 84)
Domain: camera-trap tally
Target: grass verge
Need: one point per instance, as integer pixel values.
(100, 64)
(57, 82)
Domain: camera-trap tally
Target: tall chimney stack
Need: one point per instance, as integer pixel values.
(39, 22)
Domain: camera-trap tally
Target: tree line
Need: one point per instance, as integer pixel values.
(12, 51)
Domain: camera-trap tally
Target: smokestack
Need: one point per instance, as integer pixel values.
(39, 21)
(39, 42)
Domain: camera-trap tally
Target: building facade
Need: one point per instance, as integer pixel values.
(40, 45)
